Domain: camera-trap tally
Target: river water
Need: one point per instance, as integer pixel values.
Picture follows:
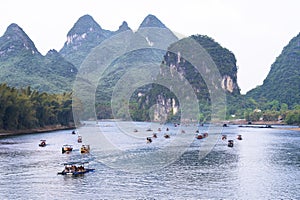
(264, 165)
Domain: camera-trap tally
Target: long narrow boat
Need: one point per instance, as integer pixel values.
(75, 168)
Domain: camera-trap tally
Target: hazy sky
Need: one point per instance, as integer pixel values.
(254, 30)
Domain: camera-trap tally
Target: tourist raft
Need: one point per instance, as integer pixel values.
(75, 168)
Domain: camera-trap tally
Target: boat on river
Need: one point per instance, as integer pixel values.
(75, 168)
(79, 139)
(85, 149)
(149, 129)
(239, 137)
(224, 137)
(199, 136)
(42, 143)
(67, 148)
(230, 143)
(149, 140)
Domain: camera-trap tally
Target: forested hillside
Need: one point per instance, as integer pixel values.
(283, 80)
(22, 65)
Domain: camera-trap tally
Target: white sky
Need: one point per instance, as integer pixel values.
(254, 30)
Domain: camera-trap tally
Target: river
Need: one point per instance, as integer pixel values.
(264, 165)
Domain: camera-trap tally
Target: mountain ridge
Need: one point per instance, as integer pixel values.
(14, 40)
(151, 21)
(22, 65)
(18, 55)
(282, 81)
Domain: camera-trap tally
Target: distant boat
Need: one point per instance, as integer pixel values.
(239, 137)
(73, 132)
(230, 143)
(79, 140)
(199, 136)
(167, 136)
(149, 140)
(224, 137)
(42, 143)
(67, 148)
(85, 149)
(75, 168)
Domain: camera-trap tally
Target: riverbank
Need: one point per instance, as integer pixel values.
(244, 122)
(273, 124)
(289, 128)
(35, 130)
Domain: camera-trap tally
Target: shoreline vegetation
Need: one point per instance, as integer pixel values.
(50, 128)
(278, 124)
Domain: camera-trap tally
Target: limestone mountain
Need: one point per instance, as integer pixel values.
(22, 65)
(174, 63)
(15, 41)
(152, 21)
(155, 33)
(146, 47)
(83, 37)
(149, 44)
(124, 27)
(283, 81)
(224, 60)
(159, 100)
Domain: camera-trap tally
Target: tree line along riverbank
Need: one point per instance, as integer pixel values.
(25, 110)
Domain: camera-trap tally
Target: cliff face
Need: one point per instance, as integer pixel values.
(224, 60)
(163, 107)
(175, 68)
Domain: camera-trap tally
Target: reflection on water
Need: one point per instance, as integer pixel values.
(264, 165)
